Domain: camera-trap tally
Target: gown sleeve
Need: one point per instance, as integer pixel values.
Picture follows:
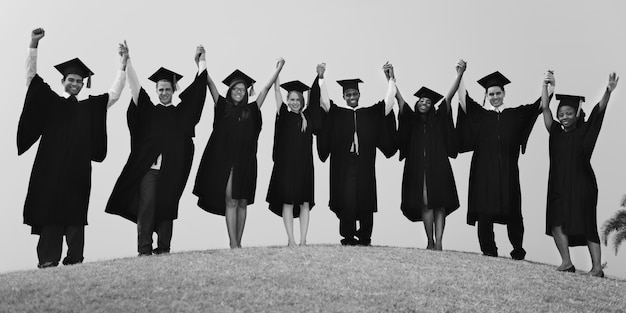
(467, 125)
(387, 141)
(405, 119)
(39, 98)
(593, 125)
(98, 106)
(190, 108)
(324, 130)
(529, 114)
(444, 120)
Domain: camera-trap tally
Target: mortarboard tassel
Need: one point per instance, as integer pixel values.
(251, 93)
(89, 81)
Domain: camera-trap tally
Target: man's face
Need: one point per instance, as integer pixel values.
(352, 97)
(495, 95)
(164, 91)
(72, 84)
(423, 105)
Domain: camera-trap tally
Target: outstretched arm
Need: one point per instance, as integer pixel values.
(460, 69)
(263, 93)
(391, 88)
(613, 79)
(277, 94)
(120, 79)
(200, 59)
(31, 58)
(545, 99)
(200, 54)
(324, 98)
(390, 75)
(131, 76)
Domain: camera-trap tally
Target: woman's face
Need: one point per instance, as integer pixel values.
(238, 92)
(295, 101)
(423, 105)
(567, 117)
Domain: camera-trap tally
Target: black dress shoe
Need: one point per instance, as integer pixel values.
(142, 254)
(570, 269)
(490, 253)
(67, 261)
(47, 264)
(518, 254)
(349, 242)
(365, 242)
(160, 251)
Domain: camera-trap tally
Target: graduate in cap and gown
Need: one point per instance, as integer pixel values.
(350, 137)
(71, 134)
(226, 179)
(496, 134)
(149, 188)
(572, 188)
(427, 139)
(290, 193)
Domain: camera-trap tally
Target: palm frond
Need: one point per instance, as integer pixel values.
(615, 223)
(620, 237)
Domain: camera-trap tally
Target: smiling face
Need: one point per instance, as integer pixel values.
(352, 97)
(295, 101)
(423, 105)
(72, 84)
(238, 92)
(567, 117)
(495, 95)
(165, 91)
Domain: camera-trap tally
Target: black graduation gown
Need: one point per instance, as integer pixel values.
(158, 130)
(426, 142)
(496, 139)
(232, 145)
(72, 135)
(375, 130)
(292, 180)
(572, 186)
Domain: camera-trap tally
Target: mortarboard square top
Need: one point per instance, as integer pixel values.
(295, 85)
(238, 76)
(569, 100)
(74, 66)
(350, 83)
(425, 92)
(494, 79)
(165, 74)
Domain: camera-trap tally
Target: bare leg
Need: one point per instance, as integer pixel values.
(428, 217)
(596, 259)
(304, 222)
(242, 210)
(561, 241)
(231, 214)
(440, 223)
(288, 221)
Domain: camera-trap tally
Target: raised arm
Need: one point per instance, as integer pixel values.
(461, 65)
(613, 79)
(263, 93)
(390, 75)
(324, 98)
(277, 94)
(31, 58)
(120, 79)
(545, 99)
(131, 77)
(200, 59)
(212, 88)
(391, 88)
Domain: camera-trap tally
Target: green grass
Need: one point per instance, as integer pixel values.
(318, 278)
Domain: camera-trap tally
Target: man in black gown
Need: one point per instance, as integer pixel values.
(350, 137)
(150, 186)
(73, 133)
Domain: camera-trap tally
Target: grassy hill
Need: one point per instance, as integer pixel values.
(318, 278)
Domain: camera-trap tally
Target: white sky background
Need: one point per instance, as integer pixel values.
(581, 41)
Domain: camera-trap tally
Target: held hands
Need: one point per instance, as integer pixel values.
(200, 54)
(613, 79)
(388, 70)
(321, 69)
(460, 67)
(280, 62)
(548, 78)
(123, 52)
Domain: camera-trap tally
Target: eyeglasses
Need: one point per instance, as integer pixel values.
(239, 90)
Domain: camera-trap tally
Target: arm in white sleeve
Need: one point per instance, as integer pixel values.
(324, 99)
(31, 65)
(133, 81)
(462, 92)
(201, 66)
(116, 89)
(390, 96)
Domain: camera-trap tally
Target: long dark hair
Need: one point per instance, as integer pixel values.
(229, 97)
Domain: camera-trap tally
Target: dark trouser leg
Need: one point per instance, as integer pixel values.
(348, 215)
(75, 239)
(366, 224)
(50, 246)
(164, 233)
(515, 229)
(347, 227)
(486, 237)
(145, 215)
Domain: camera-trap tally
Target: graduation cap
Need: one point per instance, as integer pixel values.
(494, 79)
(165, 74)
(238, 76)
(569, 100)
(295, 85)
(350, 83)
(75, 66)
(425, 92)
